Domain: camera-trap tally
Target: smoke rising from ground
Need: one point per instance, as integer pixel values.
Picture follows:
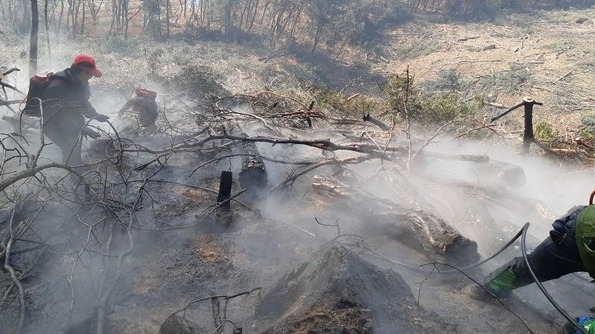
(468, 198)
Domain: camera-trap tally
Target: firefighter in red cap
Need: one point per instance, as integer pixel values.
(144, 105)
(66, 105)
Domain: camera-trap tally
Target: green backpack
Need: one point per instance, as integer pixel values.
(585, 238)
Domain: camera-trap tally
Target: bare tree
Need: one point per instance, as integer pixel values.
(322, 14)
(47, 28)
(33, 38)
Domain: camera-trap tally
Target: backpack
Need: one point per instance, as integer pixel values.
(585, 238)
(145, 93)
(37, 86)
(145, 105)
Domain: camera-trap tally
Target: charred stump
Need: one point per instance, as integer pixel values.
(224, 209)
(253, 175)
(378, 123)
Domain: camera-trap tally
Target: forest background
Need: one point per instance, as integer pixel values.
(420, 60)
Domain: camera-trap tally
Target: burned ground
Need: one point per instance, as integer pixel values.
(358, 245)
(350, 232)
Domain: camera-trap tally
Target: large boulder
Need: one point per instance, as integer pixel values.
(339, 292)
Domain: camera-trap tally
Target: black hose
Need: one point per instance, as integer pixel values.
(502, 249)
(545, 293)
(523, 234)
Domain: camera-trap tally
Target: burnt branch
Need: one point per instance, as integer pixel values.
(31, 172)
(291, 179)
(13, 231)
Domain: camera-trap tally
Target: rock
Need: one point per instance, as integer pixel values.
(174, 324)
(339, 292)
(85, 326)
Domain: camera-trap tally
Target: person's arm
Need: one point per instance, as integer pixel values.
(126, 106)
(90, 112)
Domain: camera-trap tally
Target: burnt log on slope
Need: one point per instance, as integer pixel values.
(433, 235)
(436, 234)
(482, 172)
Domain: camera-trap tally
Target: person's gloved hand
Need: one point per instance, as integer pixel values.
(101, 118)
(88, 132)
(588, 323)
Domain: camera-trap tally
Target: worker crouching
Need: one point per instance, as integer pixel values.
(143, 104)
(569, 248)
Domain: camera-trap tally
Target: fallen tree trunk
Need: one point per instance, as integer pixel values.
(434, 235)
(474, 170)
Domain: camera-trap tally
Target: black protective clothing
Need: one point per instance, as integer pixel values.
(65, 106)
(555, 257)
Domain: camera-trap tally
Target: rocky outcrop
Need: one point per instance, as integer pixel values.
(339, 292)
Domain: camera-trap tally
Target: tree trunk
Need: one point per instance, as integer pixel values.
(47, 28)
(33, 38)
(167, 9)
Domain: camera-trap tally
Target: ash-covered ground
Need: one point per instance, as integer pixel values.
(334, 242)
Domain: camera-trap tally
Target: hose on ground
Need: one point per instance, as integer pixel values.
(541, 287)
(502, 249)
(523, 234)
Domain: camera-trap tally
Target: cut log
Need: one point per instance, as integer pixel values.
(475, 171)
(253, 176)
(433, 235)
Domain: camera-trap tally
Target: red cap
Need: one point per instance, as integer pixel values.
(87, 64)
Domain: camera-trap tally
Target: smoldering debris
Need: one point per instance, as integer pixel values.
(133, 248)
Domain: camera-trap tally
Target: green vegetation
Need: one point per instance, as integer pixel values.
(402, 95)
(448, 80)
(443, 108)
(545, 132)
(415, 49)
(354, 107)
(588, 130)
(200, 79)
(440, 104)
(508, 82)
